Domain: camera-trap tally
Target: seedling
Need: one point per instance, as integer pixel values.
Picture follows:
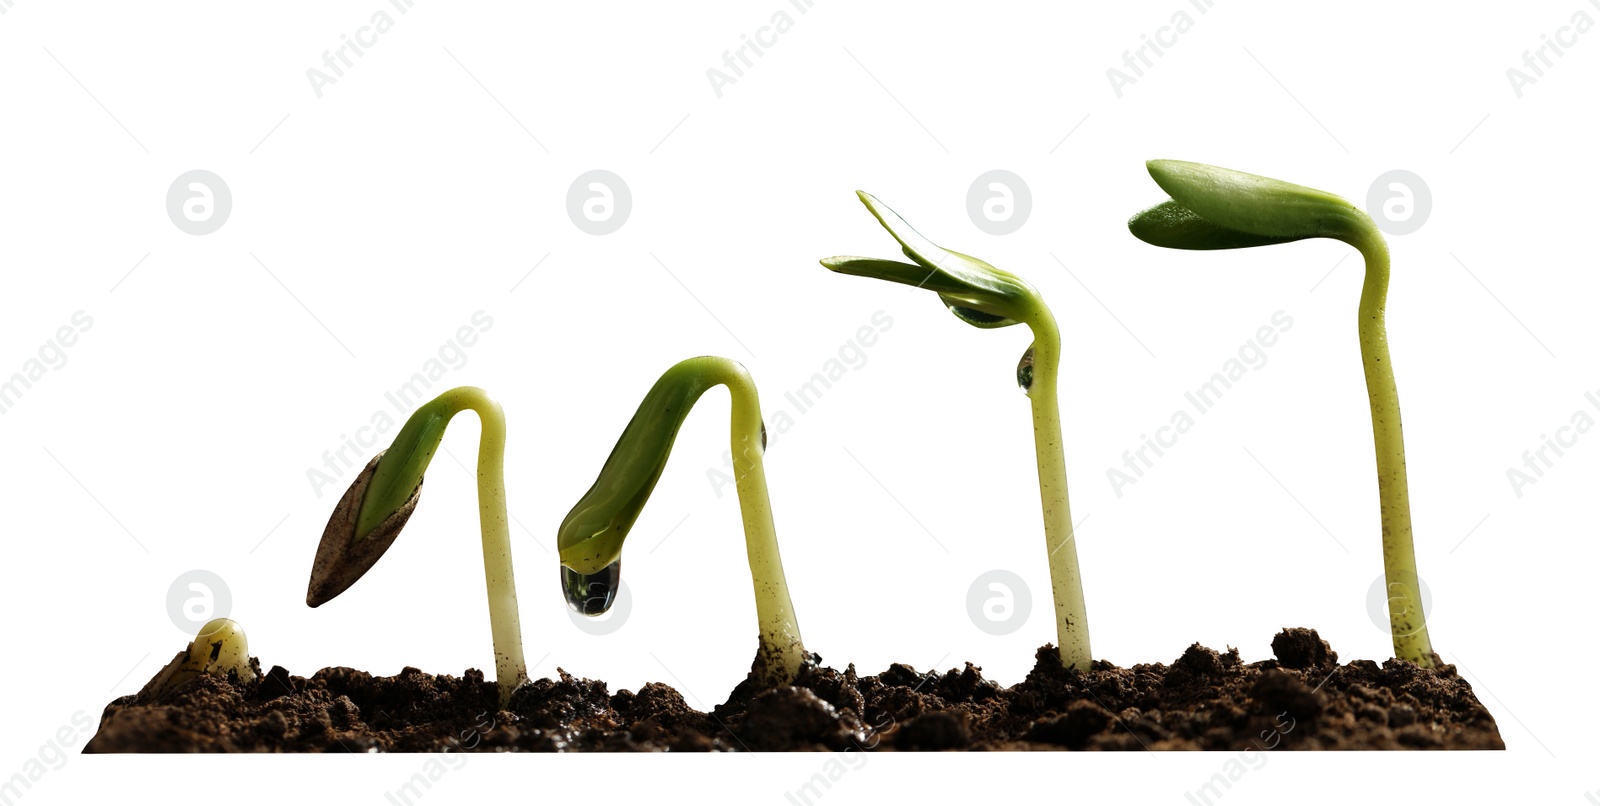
(986, 297)
(219, 648)
(1215, 208)
(380, 501)
(591, 536)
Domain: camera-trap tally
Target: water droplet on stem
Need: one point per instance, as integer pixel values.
(1025, 371)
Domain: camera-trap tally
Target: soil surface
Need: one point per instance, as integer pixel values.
(1204, 700)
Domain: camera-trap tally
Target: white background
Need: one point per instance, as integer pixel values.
(372, 222)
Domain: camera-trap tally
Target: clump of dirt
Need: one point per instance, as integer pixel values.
(1205, 700)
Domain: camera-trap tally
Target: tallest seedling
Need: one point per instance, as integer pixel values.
(986, 297)
(1215, 208)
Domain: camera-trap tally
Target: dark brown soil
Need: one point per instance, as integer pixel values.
(1204, 700)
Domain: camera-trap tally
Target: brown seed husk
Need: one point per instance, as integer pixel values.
(341, 557)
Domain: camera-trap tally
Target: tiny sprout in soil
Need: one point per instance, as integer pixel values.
(219, 648)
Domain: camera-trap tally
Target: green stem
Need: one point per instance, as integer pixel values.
(592, 535)
(1406, 619)
(423, 433)
(1066, 580)
(782, 653)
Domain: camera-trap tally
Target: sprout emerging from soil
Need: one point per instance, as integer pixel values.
(380, 501)
(986, 297)
(1215, 208)
(219, 648)
(591, 536)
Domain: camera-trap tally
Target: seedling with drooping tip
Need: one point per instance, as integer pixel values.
(591, 537)
(380, 501)
(1217, 208)
(986, 297)
(219, 648)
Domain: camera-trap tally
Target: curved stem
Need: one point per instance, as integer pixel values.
(424, 431)
(1406, 619)
(1066, 581)
(592, 535)
(782, 653)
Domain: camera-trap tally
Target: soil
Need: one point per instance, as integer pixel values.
(1205, 700)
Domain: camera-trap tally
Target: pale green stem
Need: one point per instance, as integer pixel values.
(1406, 620)
(1066, 580)
(504, 622)
(780, 633)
